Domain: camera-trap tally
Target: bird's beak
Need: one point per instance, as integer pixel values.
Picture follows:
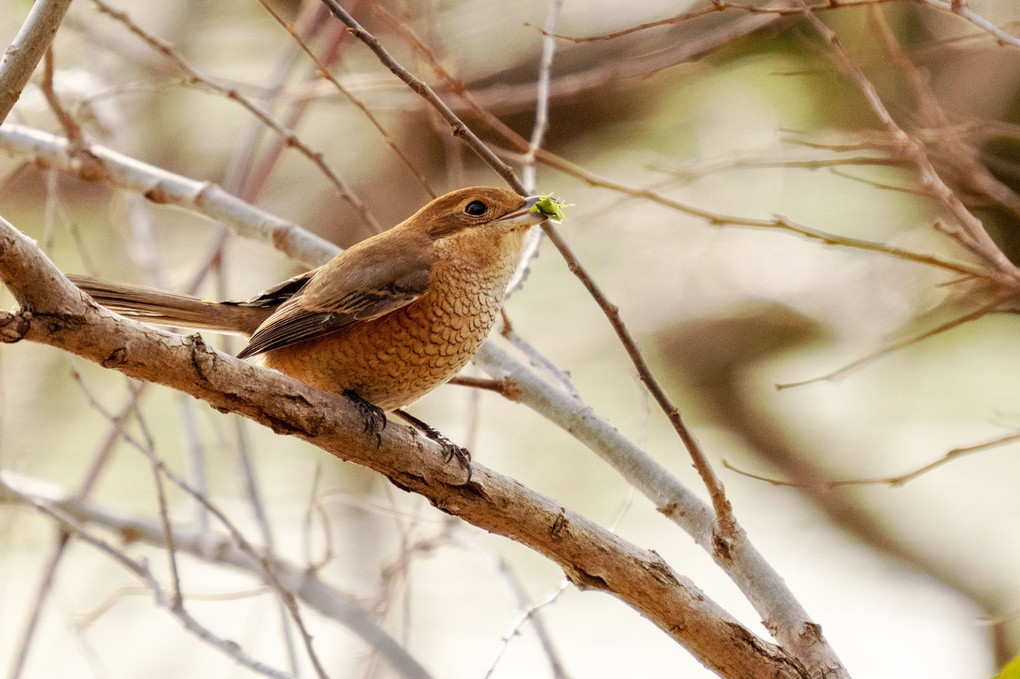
(523, 216)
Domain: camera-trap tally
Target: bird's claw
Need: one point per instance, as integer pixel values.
(373, 416)
(451, 450)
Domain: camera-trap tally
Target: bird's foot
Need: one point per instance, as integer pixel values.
(373, 416)
(450, 449)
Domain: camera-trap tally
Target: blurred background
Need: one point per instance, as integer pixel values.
(746, 115)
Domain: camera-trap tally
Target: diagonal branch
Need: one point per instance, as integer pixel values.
(459, 129)
(166, 188)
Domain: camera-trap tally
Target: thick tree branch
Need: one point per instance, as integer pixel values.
(764, 588)
(728, 544)
(56, 313)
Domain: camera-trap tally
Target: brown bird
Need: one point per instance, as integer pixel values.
(384, 322)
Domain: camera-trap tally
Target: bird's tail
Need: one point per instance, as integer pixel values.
(166, 308)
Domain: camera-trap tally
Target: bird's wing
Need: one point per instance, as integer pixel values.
(279, 293)
(359, 285)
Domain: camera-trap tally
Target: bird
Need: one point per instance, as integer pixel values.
(384, 322)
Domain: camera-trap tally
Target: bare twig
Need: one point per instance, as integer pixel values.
(542, 96)
(142, 572)
(528, 169)
(527, 615)
(254, 494)
(323, 72)
(959, 8)
(198, 80)
(993, 302)
(726, 525)
(29, 46)
(71, 127)
(535, 357)
(458, 128)
(893, 481)
(944, 136)
(972, 234)
(219, 549)
(241, 178)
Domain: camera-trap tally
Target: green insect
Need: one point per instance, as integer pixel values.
(550, 207)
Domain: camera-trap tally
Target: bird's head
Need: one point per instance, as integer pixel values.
(480, 211)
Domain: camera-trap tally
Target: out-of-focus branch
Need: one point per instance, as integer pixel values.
(458, 128)
(56, 313)
(219, 549)
(958, 8)
(141, 570)
(23, 55)
(323, 72)
(971, 232)
(166, 188)
(290, 138)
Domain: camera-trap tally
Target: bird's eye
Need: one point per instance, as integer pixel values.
(476, 208)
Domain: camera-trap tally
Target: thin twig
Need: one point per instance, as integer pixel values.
(945, 136)
(240, 177)
(29, 45)
(70, 125)
(892, 481)
(993, 302)
(726, 522)
(535, 357)
(972, 234)
(528, 169)
(142, 572)
(959, 8)
(457, 127)
(527, 615)
(542, 96)
(324, 72)
(198, 80)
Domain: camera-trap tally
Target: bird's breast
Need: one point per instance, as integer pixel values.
(397, 358)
